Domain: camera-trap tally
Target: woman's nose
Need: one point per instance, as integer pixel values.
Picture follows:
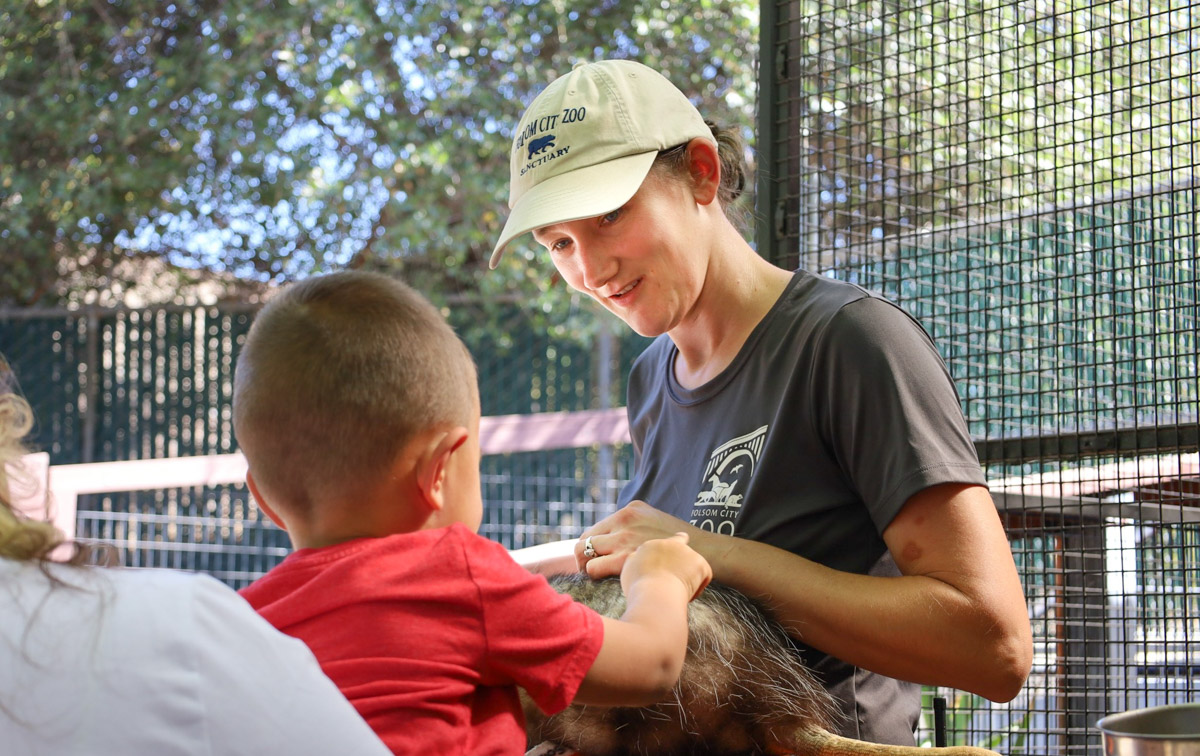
(596, 267)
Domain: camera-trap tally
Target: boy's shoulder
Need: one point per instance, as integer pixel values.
(438, 573)
(454, 549)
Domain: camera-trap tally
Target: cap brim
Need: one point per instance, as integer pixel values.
(583, 193)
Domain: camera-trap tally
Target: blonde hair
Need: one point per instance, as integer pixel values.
(21, 538)
(337, 374)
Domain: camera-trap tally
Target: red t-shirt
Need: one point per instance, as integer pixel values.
(429, 633)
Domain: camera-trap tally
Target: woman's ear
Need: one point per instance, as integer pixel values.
(704, 168)
(432, 464)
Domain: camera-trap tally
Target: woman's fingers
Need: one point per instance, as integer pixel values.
(605, 566)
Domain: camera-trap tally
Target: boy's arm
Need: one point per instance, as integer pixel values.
(642, 654)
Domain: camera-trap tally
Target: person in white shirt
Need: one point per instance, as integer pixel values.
(102, 660)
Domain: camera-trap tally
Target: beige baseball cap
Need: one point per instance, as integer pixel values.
(586, 143)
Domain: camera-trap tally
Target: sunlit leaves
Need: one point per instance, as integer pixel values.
(274, 139)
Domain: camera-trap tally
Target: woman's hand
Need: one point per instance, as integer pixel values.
(620, 534)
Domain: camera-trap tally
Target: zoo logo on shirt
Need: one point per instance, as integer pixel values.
(726, 478)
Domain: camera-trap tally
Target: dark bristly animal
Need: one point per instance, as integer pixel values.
(743, 691)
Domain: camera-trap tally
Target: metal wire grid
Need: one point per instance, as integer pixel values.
(1017, 175)
(110, 385)
(1021, 177)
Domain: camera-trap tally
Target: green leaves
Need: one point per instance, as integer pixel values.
(277, 139)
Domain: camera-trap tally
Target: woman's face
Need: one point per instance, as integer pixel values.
(644, 261)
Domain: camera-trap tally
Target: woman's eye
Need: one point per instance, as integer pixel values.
(559, 245)
(610, 217)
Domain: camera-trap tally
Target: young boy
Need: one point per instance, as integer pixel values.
(357, 408)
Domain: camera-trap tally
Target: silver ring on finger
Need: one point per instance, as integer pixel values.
(589, 551)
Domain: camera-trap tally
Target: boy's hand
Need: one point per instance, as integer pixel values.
(644, 650)
(671, 555)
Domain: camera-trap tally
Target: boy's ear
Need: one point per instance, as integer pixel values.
(704, 167)
(262, 502)
(432, 464)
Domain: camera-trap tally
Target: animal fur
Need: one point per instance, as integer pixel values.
(742, 692)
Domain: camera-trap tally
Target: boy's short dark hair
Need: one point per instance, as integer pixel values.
(337, 373)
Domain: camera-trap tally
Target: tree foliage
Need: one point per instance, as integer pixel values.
(273, 139)
(919, 116)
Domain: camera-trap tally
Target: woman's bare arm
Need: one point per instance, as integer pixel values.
(956, 617)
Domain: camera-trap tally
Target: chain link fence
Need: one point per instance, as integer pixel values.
(116, 384)
(1022, 178)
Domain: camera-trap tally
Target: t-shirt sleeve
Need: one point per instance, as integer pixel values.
(888, 408)
(540, 639)
(263, 691)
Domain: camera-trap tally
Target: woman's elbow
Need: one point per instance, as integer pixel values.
(1011, 660)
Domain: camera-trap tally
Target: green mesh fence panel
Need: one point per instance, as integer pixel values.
(111, 385)
(1022, 178)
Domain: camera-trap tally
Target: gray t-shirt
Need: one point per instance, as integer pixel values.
(837, 410)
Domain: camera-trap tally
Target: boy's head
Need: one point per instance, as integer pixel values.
(346, 384)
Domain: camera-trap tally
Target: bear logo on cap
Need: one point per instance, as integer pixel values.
(540, 144)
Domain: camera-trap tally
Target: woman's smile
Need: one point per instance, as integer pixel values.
(622, 296)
